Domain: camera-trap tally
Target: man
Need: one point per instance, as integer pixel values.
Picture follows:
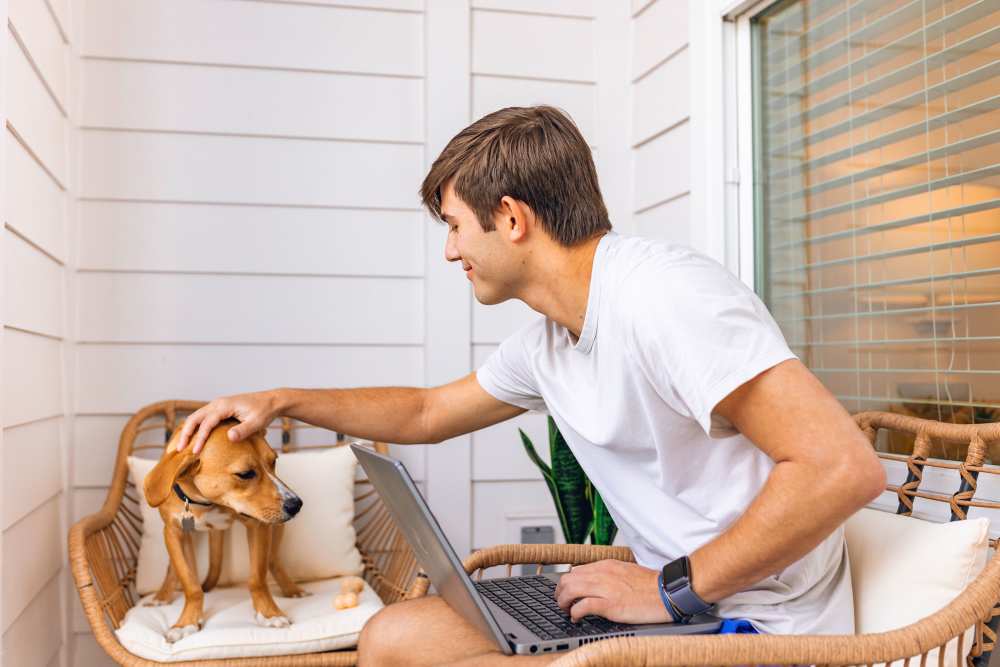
(669, 379)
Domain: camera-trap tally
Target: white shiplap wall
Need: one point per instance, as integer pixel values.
(247, 187)
(37, 256)
(660, 112)
(247, 193)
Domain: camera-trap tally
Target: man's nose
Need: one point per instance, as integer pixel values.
(450, 251)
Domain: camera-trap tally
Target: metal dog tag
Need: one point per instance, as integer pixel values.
(187, 520)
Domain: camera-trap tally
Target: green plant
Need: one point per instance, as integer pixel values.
(582, 512)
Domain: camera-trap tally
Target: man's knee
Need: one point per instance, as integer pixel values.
(390, 636)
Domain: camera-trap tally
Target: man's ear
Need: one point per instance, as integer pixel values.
(161, 479)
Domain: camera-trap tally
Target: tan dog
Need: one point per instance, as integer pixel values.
(206, 492)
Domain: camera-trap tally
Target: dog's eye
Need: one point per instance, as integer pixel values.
(249, 474)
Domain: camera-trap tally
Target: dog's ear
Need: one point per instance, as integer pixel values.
(161, 479)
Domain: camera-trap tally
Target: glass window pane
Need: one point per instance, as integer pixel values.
(877, 166)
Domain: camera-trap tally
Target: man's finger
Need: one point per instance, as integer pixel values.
(585, 607)
(189, 426)
(241, 431)
(204, 429)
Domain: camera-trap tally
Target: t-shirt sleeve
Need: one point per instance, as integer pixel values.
(506, 374)
(701, 337)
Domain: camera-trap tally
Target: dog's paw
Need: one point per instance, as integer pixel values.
(273, 621)
(177, 633)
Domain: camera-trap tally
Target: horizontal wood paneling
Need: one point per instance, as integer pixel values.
(95, 443)
(138, 165)
(60, 9)
(32, 555)
(491, 93)
(39, 32)
(87, 502)
(402, 5)
(35, 205)
(32, 372)
(33, 288)
(499, 509)
(249, 309)
(32, 467)
(262, 34)
(560, 48)
(661, 98)
(122, 378)
(159, 96)
(497, 452)
(34, 114)
(568, 7)
(35, 638)
(492, 324)
(657, 32)
(660, 168)
(188, 237)
(88, 653)
(670, 221)
(639, 5)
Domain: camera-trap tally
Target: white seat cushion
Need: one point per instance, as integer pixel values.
(904, 569)
(230, 630)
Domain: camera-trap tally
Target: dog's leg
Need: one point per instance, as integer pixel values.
(214, 560)
(167, 592)
(178, 544)
(289, 588)
(268, 612)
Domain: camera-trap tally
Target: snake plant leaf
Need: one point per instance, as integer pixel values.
(529, 447)
(604, 526)
(570, 482)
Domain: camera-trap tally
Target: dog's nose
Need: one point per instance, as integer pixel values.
(292, 505)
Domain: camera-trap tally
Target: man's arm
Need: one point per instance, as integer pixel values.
(825, 471)
(401, 415)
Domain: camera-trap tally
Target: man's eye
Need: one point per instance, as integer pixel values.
(249, 474)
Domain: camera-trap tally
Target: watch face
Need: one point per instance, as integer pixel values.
(675, 571)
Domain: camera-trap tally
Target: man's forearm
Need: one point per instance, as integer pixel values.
(771, 535)
(388, 414)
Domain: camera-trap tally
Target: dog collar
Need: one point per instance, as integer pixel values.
(183, 496)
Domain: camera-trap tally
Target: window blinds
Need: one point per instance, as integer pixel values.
(877, 167)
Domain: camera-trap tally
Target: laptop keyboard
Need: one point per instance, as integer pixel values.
(531, 601)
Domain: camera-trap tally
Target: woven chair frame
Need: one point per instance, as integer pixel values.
(976, 607)
(104, 547)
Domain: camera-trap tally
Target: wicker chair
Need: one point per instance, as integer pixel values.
(976, 606)
(104, 547)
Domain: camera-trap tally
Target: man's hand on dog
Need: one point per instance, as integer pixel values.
(254, 411)
(618, 591)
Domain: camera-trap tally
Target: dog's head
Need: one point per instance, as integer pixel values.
(238, 475)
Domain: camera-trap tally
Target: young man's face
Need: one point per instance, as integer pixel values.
(485, 257)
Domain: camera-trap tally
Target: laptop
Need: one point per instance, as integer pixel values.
(519, 613)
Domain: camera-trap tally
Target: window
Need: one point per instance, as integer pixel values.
(876, 135)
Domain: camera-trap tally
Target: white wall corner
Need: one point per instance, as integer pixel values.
(708, 131)
(448, 339)
(3, 237)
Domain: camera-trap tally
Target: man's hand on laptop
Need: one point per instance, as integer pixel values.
(616, 590)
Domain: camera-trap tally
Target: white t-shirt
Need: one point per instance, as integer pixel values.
(668, 334)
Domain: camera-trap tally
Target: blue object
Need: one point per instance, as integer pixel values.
(666, 602)
(737, 626)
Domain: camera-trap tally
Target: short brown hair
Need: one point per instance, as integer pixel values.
(533, 154)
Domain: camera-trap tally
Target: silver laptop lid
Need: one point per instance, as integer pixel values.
(402, 497)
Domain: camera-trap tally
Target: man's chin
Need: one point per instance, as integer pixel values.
(488, 298)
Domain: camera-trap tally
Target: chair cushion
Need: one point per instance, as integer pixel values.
(904, 569)
(319, 542)
(231, 632)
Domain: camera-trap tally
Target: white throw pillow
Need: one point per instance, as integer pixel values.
(904, 569)
(318, 543)
(231, 632)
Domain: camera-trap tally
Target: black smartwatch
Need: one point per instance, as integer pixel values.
(676, 577)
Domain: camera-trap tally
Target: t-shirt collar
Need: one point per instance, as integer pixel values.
(586, 340)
